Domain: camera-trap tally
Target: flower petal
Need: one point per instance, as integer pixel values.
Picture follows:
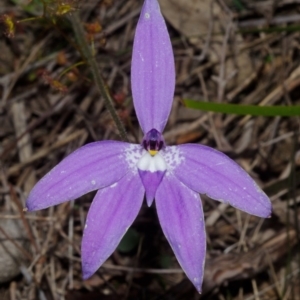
(112, 212)
(151, 170)
(89, 168)
(152, 70)
(211, 172)
(151, 181)
(181, 217)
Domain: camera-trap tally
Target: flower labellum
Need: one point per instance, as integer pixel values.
(172, 175)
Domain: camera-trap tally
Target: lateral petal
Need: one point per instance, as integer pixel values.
(181, 217)
(152, 69)
(211, 172)
(113, 210)
(89, 168)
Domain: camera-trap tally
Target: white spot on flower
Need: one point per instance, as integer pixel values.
(151, 163)
(114, 185)
(93, 182)
(141, 56)
(147, 16)
(173, 157)
(133, 154)
(167, 159)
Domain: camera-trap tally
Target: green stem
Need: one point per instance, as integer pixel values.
(99, 81)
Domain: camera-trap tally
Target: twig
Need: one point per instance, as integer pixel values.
(205, 49)
(19, 247)
(141, 270)
(99, 81)
(274, 21)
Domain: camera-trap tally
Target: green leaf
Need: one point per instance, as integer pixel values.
(241, 109)
(129, 241)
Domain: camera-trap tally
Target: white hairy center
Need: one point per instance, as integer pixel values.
(151, 163)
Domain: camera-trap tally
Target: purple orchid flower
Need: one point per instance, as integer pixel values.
(173, 175)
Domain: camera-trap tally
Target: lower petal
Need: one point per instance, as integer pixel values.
(113, 210)
(151, 181)
(181, 217)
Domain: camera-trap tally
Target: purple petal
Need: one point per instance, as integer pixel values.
(152, 70)
(112, 212)
(211, 172)
(181, 217)
(151, 181)
(89, 168)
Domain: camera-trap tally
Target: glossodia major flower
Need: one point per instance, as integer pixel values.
(172, 175)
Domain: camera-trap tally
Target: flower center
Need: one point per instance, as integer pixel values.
(153, 141)
(152, 166)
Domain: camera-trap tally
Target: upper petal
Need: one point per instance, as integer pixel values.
(152, 69)
(113, 210)
(211, 172)
(181, 217)
(89, 168)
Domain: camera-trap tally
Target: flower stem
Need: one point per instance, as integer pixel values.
(99, 81)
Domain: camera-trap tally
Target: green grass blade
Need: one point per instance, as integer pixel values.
(241, 109)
